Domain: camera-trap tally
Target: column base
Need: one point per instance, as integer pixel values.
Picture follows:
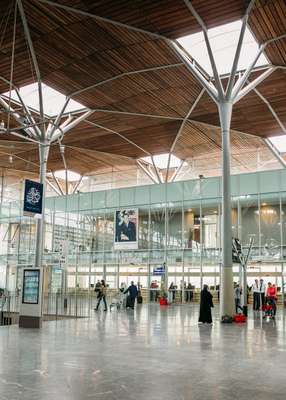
(27, 321)
(227, 308)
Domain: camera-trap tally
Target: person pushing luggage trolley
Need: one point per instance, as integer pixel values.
(132, 294)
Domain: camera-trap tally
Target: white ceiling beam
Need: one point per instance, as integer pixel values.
(181, 129)
(53, 187)
(271, 109)
(241, 82)
(61, 132)
(107, 20)
(231, 79)
(146, 172)
(177, 171)
(136, 114)
(120, 135)
(252, 85)
(156, 170)
(35, 63)
(58, 184)
(209, 49)
(77, 184)
(275, 152)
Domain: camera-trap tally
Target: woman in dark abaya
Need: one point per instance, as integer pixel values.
(205, 306)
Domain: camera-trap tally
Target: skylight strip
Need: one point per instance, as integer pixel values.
(223, 40)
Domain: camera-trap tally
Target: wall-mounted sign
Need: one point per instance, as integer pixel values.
(31, 286)
(33, 197)
(126, 229)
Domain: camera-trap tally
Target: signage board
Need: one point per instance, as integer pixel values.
(33, 197)
(31, 286)
(159, 271)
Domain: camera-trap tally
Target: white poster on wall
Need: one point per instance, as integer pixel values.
(126, 229)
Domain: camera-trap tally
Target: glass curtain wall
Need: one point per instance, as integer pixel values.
(183, 233)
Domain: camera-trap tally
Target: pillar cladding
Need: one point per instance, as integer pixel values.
(226, 286)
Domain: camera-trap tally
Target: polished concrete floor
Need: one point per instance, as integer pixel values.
(149, 353)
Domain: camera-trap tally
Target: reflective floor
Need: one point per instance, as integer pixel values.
(150, 353)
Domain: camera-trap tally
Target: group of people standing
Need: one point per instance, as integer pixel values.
(263, 294)
(173, 289)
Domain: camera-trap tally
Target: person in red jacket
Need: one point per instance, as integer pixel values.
(271, 295)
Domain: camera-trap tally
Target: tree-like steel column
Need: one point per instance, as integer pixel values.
(226, 283)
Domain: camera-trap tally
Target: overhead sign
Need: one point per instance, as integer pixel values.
(159, 270)
(33, 197)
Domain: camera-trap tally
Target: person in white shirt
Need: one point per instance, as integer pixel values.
(256, 295)
(262, 290)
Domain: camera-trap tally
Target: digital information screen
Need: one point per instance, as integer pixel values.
(31, 283)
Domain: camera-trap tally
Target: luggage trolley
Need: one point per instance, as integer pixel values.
(117, 301)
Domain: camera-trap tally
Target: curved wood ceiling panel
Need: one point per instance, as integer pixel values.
(75, 51)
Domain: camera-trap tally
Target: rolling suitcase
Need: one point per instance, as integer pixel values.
(139, 299)
(129, 302)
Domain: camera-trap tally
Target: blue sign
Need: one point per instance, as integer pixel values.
(33, 197)
(159, 270)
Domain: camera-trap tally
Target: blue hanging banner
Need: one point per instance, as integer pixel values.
(33, 197)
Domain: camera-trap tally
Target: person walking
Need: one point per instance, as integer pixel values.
(97, 286)
(262, 291)
(206, 305)
(271, 295)
(256, 294)
(102, 295)
(172, 291)
(189, 293)
(237, 297)
(133, 293)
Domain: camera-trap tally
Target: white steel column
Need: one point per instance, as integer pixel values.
(226, 284)
(239, 237)
(43, 154)
(201, 235)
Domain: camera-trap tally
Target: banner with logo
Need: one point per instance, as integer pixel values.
(33, 197)
(126, 229)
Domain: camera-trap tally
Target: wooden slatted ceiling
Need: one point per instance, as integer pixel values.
(200, 145)
(199, 142)
(200, 139)
(268, 20)
(168, 17)
(78, 159)
(13, 146)
(105, 64)
(155, 138)
(75, 51)
(166, 92)
(79, 51)
(86, 161)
